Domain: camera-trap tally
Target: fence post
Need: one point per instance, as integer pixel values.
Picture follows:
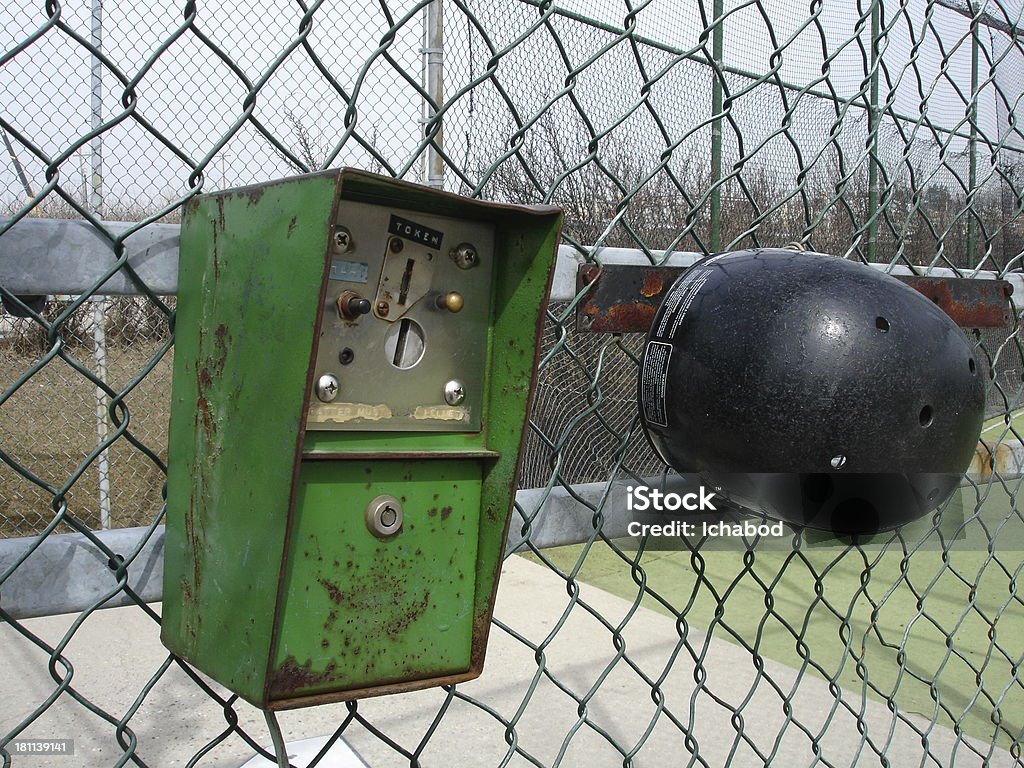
(972, 145)
(433, 84)
(873, 125)
(716, 127)
(96, 207)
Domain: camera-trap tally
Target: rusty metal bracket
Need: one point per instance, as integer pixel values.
(623, 298)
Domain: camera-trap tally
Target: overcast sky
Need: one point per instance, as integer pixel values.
(191, 97)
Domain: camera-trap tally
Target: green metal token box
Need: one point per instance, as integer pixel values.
(353, 364)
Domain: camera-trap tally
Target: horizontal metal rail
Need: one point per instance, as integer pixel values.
(66, 256)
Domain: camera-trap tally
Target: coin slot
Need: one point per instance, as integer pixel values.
(403, 290)
(404, 344)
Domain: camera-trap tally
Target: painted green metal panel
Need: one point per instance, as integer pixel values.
(274, 585)
(361, 611)
(250, 276)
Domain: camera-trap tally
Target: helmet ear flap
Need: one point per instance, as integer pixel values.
(853, 399)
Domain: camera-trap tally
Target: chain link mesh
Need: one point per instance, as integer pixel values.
(882, 131)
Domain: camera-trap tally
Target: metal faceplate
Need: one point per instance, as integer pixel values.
(424, 334)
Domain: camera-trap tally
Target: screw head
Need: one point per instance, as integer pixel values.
(327, 387)
(465, 256)
(396, 245)
(383, 308)
(342, 238)
(454, 392)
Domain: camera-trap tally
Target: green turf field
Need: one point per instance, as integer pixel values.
(996, 427)
(846, 614)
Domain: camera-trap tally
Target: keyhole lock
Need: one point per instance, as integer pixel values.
(384, 516)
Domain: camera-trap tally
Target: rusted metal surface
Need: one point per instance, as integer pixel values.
(971, 303)
(623, 298)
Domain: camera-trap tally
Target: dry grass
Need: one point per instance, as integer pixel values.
(48, 426)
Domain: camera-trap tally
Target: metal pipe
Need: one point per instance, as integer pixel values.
(972, 144)
(873, 124)
(99, 304)
(96, 145)
(99, 337)
(716, 126)
(433, 84)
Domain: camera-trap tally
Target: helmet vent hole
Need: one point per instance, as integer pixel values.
(838, 461)
(925, 417)
(882, 324)
(971, 364)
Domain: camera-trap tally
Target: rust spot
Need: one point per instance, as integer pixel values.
(333, 592)
(255, 193)
(654, 284)
(445, 512)
(204, 420)
(481, 626)
(433, 510)
(291, 226)
(632, 317)
(379, 598)
(589, 273)
(292, 676)
(986, 462)
(216, 256)
(401, 622)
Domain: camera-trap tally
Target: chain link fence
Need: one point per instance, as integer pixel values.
(879, 131)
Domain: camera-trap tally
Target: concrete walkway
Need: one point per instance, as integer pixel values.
(115, 652)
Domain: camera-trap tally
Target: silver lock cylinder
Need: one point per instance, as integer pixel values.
(384, 516)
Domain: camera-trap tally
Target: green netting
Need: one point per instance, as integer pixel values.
(882, 131)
